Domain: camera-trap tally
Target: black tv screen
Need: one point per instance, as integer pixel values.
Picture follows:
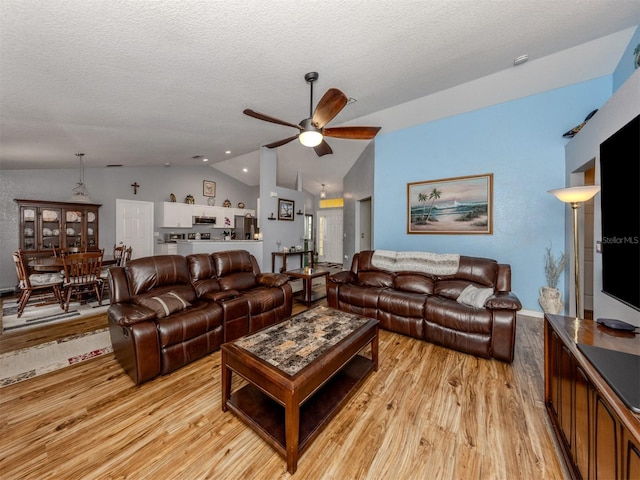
(620, 213)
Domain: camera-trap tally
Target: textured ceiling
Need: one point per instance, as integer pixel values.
(144, 83)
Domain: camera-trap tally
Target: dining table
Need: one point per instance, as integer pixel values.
(55, 264)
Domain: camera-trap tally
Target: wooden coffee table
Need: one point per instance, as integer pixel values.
(299, 374)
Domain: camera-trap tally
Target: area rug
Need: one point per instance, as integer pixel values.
(26, 363)
(37, 313)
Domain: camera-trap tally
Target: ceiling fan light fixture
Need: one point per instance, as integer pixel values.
(310, 136)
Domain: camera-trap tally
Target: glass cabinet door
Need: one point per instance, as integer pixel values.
(29, 217)
(92, 229)
(73, 228)
(49, 233)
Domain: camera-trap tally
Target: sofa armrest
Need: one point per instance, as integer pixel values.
(272, 279)
(345, 276)
(222, 296)
(503, 301)
(130, 313)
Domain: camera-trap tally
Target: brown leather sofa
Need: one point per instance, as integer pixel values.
(427, 306)
(167, 310)
(251, 300)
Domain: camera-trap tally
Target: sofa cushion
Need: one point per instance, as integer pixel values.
(238, 281)
(272, 279)
(165, 304)
(414, 283)
(474, 296)
(375, 279)
(483, 271)
(450, 289)
(148, 273)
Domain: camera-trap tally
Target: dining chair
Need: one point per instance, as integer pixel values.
(127, 256)
(120, 253)
(60, 251)
(82, 275)
(34, 283)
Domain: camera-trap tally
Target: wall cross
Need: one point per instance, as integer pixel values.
(135, 187)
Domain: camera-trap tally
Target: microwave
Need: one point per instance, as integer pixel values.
(204, 220)
(174, 237)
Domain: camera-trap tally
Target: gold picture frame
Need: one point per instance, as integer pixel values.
(208, 188)
(458, 205)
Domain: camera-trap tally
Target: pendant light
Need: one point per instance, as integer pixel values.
(80, 192)
(323, 194)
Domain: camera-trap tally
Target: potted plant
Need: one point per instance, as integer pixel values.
(550, 297)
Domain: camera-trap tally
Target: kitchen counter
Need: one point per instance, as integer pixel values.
(254, 247)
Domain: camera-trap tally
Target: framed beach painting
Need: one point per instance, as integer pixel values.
(459, 205)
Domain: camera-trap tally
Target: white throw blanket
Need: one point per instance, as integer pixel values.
(423, 262)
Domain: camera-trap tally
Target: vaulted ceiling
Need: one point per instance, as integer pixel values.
(148, 83)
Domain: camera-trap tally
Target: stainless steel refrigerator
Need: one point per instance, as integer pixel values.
(245, 227)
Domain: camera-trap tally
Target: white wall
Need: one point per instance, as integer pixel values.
(623, 106)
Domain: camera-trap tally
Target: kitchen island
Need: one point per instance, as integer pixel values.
(254, 247)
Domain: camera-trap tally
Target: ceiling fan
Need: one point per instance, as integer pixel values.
(311, 131)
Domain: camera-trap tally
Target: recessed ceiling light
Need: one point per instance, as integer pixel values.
(205, 159)
(245, 170)
(351, 100)
(228, 152)
(167, 164)
(521, 59)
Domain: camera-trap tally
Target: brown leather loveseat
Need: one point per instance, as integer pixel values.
(463, 303)
(164, 313)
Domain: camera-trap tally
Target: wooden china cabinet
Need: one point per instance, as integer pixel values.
(44, 225)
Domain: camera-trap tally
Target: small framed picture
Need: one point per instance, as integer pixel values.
(208, 188)
(285, 209)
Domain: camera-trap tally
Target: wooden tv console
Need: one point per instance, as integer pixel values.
(598, 434)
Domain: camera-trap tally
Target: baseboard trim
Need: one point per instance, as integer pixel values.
(531, 313)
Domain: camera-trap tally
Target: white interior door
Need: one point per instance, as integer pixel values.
(365, 224)
(134, 226)
(330, 236)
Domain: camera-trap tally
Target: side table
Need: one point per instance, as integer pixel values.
(307, 275)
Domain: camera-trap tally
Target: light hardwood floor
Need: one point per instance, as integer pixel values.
(427, 413)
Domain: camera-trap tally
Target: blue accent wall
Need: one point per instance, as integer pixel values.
(520, 142)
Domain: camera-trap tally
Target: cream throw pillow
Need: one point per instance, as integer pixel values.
(474, 296)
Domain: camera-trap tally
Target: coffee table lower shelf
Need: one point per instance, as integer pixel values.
(267, 417)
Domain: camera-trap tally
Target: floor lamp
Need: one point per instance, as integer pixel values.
(575, 196)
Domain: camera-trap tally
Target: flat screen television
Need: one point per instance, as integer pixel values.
(620, 214)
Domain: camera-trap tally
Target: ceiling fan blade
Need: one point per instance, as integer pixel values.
(267, 118)
(354, 133)
(279, 143)
(323, 149)
(328, 107)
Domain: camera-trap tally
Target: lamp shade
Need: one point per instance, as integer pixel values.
(575, 194)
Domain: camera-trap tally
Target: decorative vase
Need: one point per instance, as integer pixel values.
(551, 300)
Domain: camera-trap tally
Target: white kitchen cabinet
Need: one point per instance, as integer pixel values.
(205, 211)
(173, 215)
(166, 249)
